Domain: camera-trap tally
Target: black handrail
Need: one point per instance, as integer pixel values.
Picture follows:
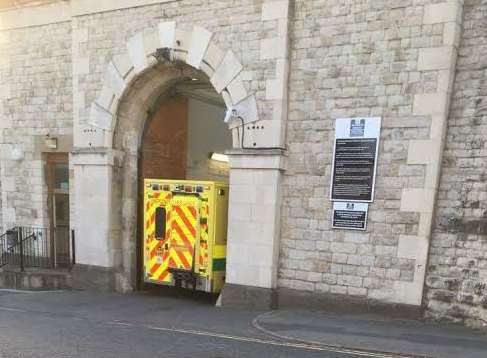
(34, 247)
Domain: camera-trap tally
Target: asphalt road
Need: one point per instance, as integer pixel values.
(84, 324)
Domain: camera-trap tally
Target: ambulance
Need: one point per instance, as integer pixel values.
(185, 233)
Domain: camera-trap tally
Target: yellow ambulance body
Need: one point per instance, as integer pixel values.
(185, 233)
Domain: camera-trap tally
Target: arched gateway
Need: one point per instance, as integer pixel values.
(107, 150)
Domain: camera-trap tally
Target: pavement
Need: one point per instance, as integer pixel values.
(158, 324)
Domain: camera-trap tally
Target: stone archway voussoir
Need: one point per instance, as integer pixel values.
(194, 47)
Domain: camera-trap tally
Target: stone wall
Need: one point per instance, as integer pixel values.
(388, 58)
(457, 272)
(35, 101)
(375, 58)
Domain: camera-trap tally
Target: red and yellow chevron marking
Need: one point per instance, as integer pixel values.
(155, 263)
(184, 233)
(203, 252)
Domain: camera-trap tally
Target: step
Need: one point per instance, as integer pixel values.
(35, 279)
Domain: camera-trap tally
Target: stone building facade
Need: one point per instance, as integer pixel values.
(87, 74)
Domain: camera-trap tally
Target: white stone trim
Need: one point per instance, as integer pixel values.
(135, 48)
(423, 152)
(194, 47)
(276, 15)
(100, 117)
(227, 70)
(429, 152)
(448, 11)
(436, 58)
(200, 40)
(274, 48)
(275, 10)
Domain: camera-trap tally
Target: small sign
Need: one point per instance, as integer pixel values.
(352, 216)
(355, 159)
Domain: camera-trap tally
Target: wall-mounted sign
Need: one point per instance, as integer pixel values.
(355, 159)
(347, 215)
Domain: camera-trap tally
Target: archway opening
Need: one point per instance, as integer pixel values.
(183, 195)
(185, 136)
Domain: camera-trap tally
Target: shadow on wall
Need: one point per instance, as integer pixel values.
(207, 133)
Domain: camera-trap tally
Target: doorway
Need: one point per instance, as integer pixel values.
(57, 176)
(185, 140)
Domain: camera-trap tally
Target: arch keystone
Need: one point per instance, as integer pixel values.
(182, 42)
(167, 31)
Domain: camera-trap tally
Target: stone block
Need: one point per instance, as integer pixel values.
(182, 41)
(105, 98)
(413, 247)
(436, 58)
(449, 11)
(167, 31)
(80, 35)
(5, 92)
(86, 136)
(151, 42)
(200, 40)
(114, 80)
(123, 64)
(228, 69)
(408, 293)
(451, 34)
(136, 51)
(81, 66)
(275, 89)
(227, 99)
(9, 184)
(423, 151)
(100, 117)
(417, 200)
(237, 91)
(247, 109)
(445, 81)
(274, 10)
(10, 151)
(213, 56)
(274, 48)
(430, 104)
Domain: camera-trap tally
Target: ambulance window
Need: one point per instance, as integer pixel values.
(160, 223)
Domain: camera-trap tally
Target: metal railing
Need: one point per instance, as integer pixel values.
(34, 247)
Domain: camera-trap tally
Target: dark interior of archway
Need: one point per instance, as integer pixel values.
(185, 126)
(165, 142)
